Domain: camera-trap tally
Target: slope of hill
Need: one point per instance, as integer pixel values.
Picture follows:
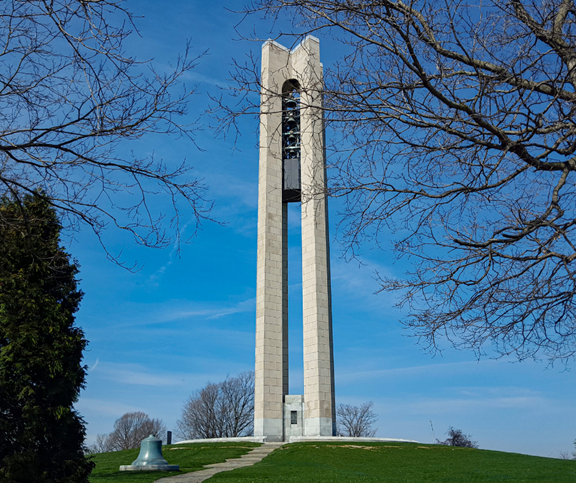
(350, 462)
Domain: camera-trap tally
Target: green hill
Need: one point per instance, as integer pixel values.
(352, 462)
(190, 457)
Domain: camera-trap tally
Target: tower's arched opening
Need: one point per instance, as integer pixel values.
(291, 197)
(291, 184)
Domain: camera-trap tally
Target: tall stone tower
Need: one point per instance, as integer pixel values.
(292, 170)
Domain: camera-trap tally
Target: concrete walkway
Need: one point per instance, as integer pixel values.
(256, 455)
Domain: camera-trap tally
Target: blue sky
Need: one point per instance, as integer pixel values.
(161, 333)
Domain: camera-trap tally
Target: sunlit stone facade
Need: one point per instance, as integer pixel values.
(292, 170)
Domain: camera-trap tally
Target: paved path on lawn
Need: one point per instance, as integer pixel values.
(256, 455)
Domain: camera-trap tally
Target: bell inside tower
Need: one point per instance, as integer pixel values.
(291, 189)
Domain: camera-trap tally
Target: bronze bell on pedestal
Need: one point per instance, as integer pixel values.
(150, 457)
(150, 452)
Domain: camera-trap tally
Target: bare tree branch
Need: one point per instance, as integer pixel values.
(71, 98)
(457, 438)
(130, 430)
(356, 421)
(454, 144)
(220, 410)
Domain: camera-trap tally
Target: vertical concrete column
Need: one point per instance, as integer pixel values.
(319, 415)
(271, 371)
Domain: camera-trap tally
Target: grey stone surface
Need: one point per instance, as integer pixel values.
(239, 439)
(319, 427)
(303, 439)
(149, 468)
(256, 455)
(280, 67)
(271, 368)
(271, 427)
(293, 403)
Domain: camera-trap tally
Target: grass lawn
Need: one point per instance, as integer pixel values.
(190, 457)
(398, 463)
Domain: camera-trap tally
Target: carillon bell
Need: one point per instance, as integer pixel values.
(150, 457)
(291, 140)
(291, 150)
(291, 190)
(150, 452)
(291, 123)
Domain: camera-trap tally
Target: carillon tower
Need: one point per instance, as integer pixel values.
(292, 170)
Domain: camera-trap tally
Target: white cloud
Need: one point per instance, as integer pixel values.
(102, 406)
(358, 283)
(471, 405)
(175, 246)
(173, 310)
(430, 369)
(129, 374)
(210, 312)
(205, 79)
(226, 185)
(135, 374)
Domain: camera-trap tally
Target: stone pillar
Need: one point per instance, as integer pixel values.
(319, 415)
(271, 372)
(300, 67)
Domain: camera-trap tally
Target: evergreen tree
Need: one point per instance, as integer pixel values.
(41, 435)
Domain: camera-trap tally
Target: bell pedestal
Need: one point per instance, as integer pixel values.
(150, 468)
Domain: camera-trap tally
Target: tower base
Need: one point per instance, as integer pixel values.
(268, 428)
(293, 425)
(317, 427)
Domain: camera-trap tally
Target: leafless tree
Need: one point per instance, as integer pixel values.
(457, 438)
(356, 421)
(220, 410)
(101, 445)
(202, 415)
(454, 143)
(238, 394)
(131, 429)
(71, 100)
